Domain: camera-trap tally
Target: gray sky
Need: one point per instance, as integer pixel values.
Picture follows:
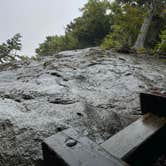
(36, 19)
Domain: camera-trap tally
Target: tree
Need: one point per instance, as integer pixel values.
(54, 44)
(9, 49)
(93, 25)
(85, 31)
(154, 7)
(127, 21)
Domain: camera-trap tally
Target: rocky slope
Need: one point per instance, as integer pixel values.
(94, 91)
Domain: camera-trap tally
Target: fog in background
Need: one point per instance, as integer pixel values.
(36, 19)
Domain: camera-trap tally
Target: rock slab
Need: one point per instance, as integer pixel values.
(94, 91)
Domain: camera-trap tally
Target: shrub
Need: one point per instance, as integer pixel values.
(109, 42)
(161, 46)
(127, 22)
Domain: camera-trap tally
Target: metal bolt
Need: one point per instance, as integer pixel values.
(70, 142)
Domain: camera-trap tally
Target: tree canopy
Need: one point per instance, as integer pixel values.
(93, 25)
(154, 8)
(136, 24)
(84, 31)
(127, 22)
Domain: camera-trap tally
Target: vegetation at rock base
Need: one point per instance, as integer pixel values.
(136, 24)
(9, 49)
(54, 44)
(161, 46)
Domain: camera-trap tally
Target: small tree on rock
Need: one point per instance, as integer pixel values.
(9, 49)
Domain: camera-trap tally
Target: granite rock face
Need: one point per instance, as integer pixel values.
(95, 92)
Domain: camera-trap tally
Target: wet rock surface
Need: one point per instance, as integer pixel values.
(95, 92)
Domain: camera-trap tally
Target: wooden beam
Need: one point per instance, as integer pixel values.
(129, 139)
(68, 148)
(154, 103)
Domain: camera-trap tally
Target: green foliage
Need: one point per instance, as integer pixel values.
(155, 4)
(153, 36)
(109, 42)
(154, 8)
(94, 24)
(161, 46)
(15, 42)
(8, 50)
(85, 31)
(127, 22)
(111, 25)
(141, 51)
(54, 44)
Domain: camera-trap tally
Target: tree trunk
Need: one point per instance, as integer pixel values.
(144, 31)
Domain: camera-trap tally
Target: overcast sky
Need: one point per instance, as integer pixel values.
(36, 19)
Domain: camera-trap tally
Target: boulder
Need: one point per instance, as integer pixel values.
(94, 91)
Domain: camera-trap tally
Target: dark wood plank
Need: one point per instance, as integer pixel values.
(68, 148)
(153, 103)
(130, 138)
